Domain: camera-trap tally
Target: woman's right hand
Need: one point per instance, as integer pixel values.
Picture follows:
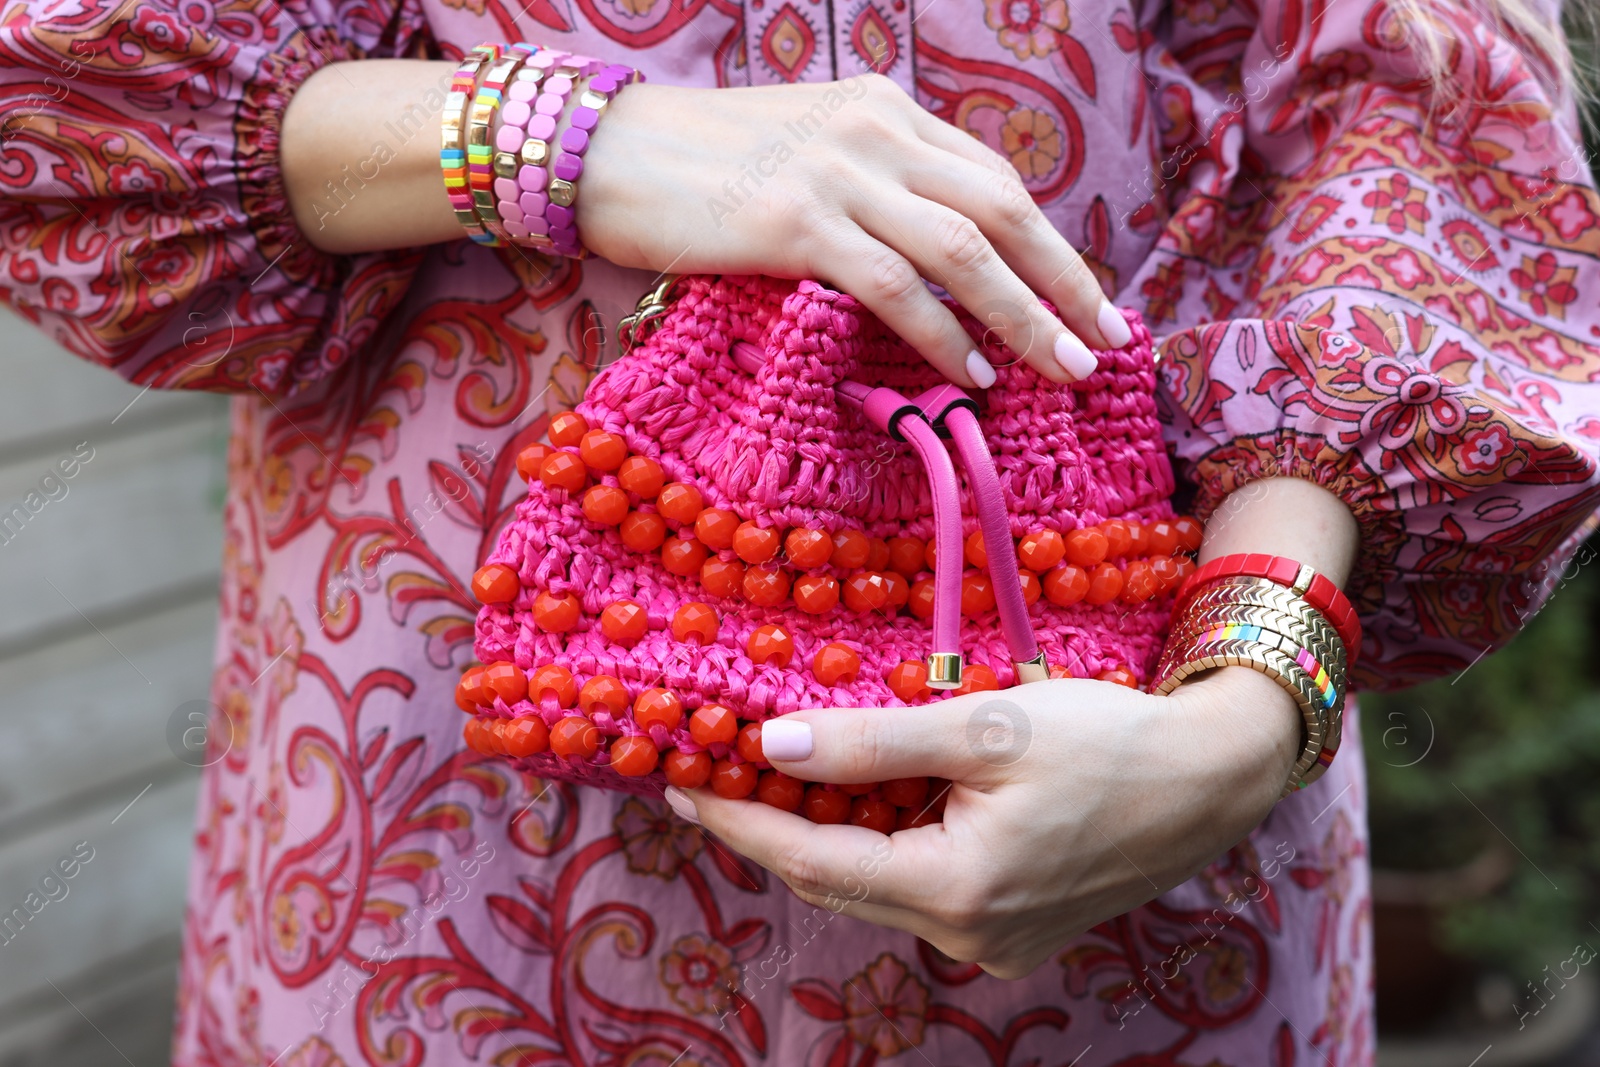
(851, 182)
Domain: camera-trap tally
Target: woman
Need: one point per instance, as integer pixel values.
(1376, 360)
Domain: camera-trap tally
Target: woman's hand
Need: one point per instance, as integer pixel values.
(1074, 801)
(854, 183)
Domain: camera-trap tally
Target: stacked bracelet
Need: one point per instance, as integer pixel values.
(453, 147)
(515, 176)
(1281, 618)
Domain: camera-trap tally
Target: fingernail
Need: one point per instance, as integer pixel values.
(680, 803)
(1113, 327)
(785, 739)
(978, 370)
(1074, 355)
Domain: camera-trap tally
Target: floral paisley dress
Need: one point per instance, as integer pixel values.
(1342, 291)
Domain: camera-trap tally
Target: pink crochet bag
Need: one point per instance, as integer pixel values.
(759, 509)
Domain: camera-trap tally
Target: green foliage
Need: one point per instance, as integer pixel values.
(1512, 754)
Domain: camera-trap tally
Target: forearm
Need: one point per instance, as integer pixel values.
(361, 156)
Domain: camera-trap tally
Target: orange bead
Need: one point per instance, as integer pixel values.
(530, 459)
(734, 781)
(850, 549)
(680, 502)
(603, 451)
(507, 681)
(898, 593)
(555, 680)
(748, 743)
(921, 602)
(770, 644)
(683, 556)
(928, 555)
(494, 732)
(905, 555)
(1058, 671)
(472, 734)
(1138, 539)
(686, 770)
(643, 531)
(815, 594)
(634, 756)
(975, 551)
(556, 613)
(603, 694)
(1165, 568)
(713, 724)
(641, 475)
(605, 504)
(766, 586)
(866, 591)
(1030, 587)
(1086, 548)
(563, 470)
(658, 707)
(1119, 538)
(1119, 676)
(876, 815)
(780, 791)
(906, 792)
(1041, 550)
(1163, 538)
(527, 736)
(567, 429)
(826, 806)
(877, 554)
(835, 663)
(756, 544)
(1190, 533)
(722, 577)
(857, 789)
(574, 737)
(1185, 568)
(909, 681)
(977, 595)
(977, 678)
(715, 527)
(807, 549)
(1139, 583)
(1066, 585)
(1105, 583)
(696, 622)
(495, 584)
(912, 818)
(470, 692)
(624, 622)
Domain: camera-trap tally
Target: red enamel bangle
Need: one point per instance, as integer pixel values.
(1318, 591)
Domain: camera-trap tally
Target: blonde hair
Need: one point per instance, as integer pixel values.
(1561, 57)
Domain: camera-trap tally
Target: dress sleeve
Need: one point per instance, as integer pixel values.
(143, 222)
(1403, 309)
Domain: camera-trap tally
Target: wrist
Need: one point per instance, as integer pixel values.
(1251, 724)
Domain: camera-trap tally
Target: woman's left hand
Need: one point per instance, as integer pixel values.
(1073, 801)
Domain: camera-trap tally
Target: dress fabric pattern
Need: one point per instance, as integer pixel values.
(1342, 290)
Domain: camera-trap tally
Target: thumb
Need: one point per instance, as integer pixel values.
(969, 739)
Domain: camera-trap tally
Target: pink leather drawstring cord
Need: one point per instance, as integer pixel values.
(918, 422)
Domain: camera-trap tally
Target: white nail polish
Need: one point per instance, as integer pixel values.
(679, 801)
(1074, 356)
(978, 370)
(1113, 327)
(785, 739)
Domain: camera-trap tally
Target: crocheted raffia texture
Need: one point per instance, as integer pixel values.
(779, 448)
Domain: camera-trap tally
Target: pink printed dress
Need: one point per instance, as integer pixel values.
(1401, 312)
